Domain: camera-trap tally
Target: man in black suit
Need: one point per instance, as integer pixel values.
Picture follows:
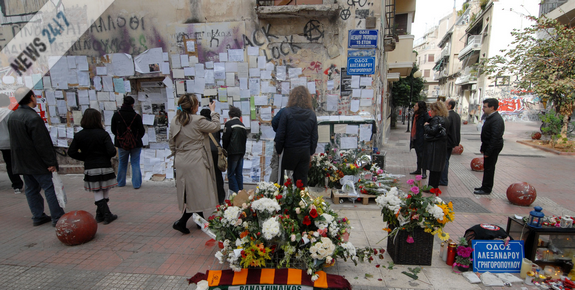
(453, 138)
(491, 143)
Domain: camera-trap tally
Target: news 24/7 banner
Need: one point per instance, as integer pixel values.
(33, 54)
(496, 257)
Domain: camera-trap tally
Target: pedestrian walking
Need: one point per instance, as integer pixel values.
(435, 136)
(189, 143)
(5, 112)
(420, 117)
(234, 139)
(34, 157)
(218, 173)
(94, 146)
(453, 138)
(491, 143)
(128, 131)
(297, 136)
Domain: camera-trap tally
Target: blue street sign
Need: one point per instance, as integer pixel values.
(495, 257)
(360, 65)
(362, 38)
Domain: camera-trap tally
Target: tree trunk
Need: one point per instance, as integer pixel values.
(565, 125)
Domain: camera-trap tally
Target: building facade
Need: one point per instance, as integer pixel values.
(245, 53)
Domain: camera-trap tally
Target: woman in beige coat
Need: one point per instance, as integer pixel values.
(189, 142)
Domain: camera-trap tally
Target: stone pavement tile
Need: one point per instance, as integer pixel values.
(394, 278)
(447, 279)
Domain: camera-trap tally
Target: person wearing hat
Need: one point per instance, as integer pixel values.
(33, 156)
(5, 113)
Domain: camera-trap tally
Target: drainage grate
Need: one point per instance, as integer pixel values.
(465, 204)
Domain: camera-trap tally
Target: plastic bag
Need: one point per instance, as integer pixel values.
(59, 189)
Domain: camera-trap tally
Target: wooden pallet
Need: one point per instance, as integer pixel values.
(338, 197)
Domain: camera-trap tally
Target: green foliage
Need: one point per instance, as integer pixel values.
(414, 272)
(483, 4)
(543, 59)
(552, 124)
(406, 87)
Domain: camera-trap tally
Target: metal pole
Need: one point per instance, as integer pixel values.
(409, 105)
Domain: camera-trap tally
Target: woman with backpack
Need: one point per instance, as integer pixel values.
(128, 129)
(93, 145)
(189, 143)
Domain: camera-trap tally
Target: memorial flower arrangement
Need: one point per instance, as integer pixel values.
(463, 258)
(322, 166)
(407, 211)
(280, 227)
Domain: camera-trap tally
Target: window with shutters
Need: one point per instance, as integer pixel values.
(431, 57)
(426, 73)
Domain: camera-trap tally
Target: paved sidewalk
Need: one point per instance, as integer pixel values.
(140, 250)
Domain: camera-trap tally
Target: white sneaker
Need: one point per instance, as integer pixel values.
(17, 191)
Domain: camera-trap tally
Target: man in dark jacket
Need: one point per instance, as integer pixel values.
(235, 138)
(33, 156)
(453, 138)
(491, 143)
(214, 148)
(124, 119)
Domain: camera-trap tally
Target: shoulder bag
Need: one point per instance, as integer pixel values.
(222, 155)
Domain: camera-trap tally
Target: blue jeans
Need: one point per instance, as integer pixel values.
(35, 183)
(134, 155)
(235, 167)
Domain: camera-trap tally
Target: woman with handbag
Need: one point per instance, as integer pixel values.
(216, 147)
(94, 146)
(189, 143)
(435, 139)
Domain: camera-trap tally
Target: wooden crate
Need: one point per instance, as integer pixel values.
(338, 197)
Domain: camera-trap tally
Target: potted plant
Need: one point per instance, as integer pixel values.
(412, 220)
(463, 260)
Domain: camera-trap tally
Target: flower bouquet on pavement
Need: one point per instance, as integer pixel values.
(463, 259)
(282, 227)
(408, 211)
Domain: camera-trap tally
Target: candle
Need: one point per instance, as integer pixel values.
(526, 265)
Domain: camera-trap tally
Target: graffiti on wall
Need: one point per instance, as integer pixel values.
(275, 49)
(211, 38)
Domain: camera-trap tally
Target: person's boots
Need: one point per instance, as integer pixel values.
(424, 175)
(108, 216)
(99, 213)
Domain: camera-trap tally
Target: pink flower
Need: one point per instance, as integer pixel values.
(411, 182)
(415, 190)
(379, 171)
(345, 237)
(410, 240)
(418, 177)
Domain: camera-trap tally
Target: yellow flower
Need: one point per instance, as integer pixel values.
(352, 166)
(428, 230)
(444, 236)
(276, 185)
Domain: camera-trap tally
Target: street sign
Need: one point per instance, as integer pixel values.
(493, 256)
(360, 65)
(362, 38)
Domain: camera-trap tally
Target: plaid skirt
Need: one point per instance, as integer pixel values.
(96, 179)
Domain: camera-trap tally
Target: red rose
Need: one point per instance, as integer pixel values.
(306, 221)
(228, 202)
(288, 182)
(299, 184)
(375, 251)
(313, 213)
(279, 196)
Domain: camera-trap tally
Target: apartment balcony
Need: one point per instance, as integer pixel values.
(468, 76)
(267, 9)
(445, 51)
(402, 58)
(473, 44)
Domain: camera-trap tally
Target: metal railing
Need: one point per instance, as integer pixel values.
(549, 5)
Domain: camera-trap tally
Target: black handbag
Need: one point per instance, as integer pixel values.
(441, 134)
